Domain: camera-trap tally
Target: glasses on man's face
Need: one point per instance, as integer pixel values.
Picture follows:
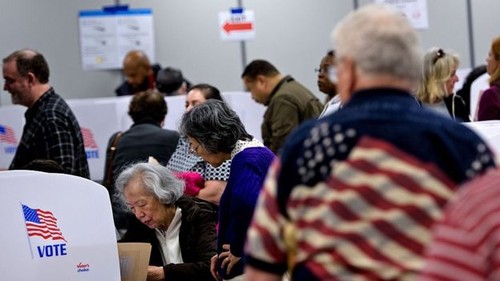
(439, 54)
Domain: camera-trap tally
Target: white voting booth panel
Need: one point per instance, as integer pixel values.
(56, 227)
(99, 118)
(490, 132)
(477, 87)
(11, 130)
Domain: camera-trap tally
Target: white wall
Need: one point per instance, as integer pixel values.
(485, 22)
(292, 34)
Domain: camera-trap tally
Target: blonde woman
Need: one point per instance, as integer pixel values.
(438, 79)
(489, 104)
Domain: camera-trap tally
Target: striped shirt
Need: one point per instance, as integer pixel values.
(466, 242)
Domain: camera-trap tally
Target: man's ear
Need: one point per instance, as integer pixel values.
(261, 81)
(348, 78)
(31, 78)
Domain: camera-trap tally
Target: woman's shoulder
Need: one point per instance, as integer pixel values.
(194, 208)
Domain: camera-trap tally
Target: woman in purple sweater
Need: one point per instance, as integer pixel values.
(489, 104)
(216, 134)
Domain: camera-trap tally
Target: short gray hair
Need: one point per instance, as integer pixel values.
(157, 179)
(214, 125)
(380, 41)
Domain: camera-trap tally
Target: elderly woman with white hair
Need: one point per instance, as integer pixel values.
(216, 133)
(180, 229)
(438, 78)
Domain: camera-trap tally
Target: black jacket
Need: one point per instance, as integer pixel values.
(457, 108)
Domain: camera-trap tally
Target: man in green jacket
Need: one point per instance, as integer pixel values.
(288, 102)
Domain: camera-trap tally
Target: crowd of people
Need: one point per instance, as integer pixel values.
(379, 182)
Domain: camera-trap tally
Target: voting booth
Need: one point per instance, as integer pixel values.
(99, 118)
(56, 227)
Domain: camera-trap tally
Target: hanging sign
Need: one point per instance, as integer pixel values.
(237, 25)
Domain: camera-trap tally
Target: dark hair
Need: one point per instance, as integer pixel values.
(169, 80)
(214, 125)
(148, 105)
(330, 53)
(208, 91)
(259, 67)
(44, 165)
(30, 61)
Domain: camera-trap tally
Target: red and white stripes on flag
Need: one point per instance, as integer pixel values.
(466, 241)
(88, 138)
(7, 135)
(370, 219)
(41, 223)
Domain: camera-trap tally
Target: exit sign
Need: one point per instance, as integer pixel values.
(236, 25)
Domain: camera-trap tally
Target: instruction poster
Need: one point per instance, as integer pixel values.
(107, 36)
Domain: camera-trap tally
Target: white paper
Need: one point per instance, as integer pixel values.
(415, 11)
(106, 37)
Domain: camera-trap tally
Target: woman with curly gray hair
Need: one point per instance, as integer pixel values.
(216, 133)
(180, 229)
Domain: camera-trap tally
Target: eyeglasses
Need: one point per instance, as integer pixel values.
(194, 149)
(439, 54)
(330, 71)
(321, 70)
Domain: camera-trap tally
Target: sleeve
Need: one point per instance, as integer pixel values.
(60, 142)
(466, 241)
(193, 181)
(284, 119)
(489, 105)
(204, 249)
(265, 248)
(246, 183)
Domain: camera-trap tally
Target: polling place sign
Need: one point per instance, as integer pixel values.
(56, 227)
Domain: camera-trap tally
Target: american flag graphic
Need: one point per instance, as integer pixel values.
(88, 138)
(369, 220)
(41, 223)
(7, 135)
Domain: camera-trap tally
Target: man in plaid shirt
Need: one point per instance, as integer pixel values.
(51, 130)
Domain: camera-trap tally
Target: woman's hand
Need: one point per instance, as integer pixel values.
(213, 267)
(228, 259)
(155, 273)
